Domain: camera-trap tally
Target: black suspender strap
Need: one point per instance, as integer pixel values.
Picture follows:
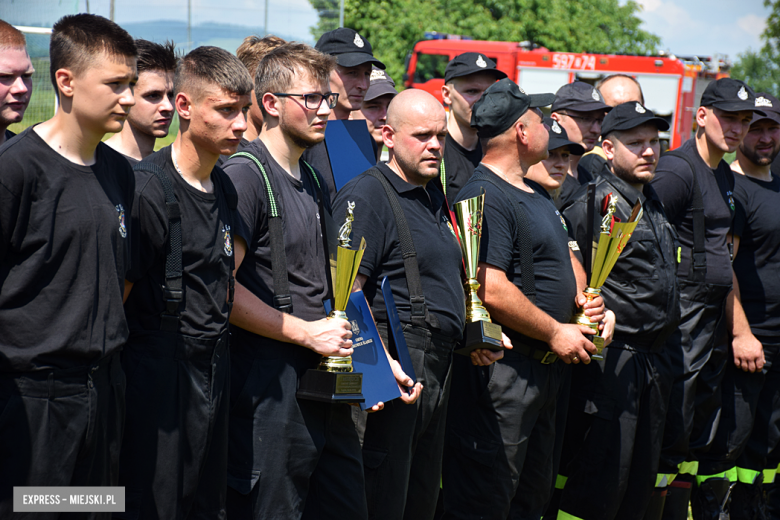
(172, 290)
(698, 268)
(522, 239)
(419, 314)
(282, 297)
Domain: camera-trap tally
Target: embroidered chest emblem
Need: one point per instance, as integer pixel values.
(227, 241)
(121, 215)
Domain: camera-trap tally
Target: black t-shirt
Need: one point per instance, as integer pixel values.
(459, 164)
(296, 202)
(674, 184)
(223, 158)
(64, 251)
(553, 273)
(438, 252)
(317, 156)
(132, 160)
(642, 286)
(757, 264)
(208, 229)
(8, 134)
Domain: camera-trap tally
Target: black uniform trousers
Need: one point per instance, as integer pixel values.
(61, 428)
(749, 427)
(403, 444)
(500, 438)
(616, 420)
(698, 352)
(289, 458)
(174, 454)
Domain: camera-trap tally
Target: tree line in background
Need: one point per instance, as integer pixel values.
(595, 26)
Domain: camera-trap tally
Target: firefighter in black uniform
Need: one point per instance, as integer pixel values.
(501, 420)
(65, 199)
(748, 430)
(466, 77)
(289, 458)
(580, 109)
(174, 454)
(696, 187)
(618, 404)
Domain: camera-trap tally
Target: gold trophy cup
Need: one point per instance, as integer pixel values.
(480, 332)
(334, 380)
(612, 240)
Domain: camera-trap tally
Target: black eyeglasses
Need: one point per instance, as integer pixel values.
(587, 120)
(313, 101)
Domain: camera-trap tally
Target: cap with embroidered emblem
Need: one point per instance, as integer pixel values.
(730, 95)
(579, 96)
(348, 47)
(631, 115)
(471, 63)
(501, 105)
(381, 85)
(770, 105)
(559, 138)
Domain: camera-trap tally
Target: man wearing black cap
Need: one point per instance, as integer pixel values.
(350, 80)
(466, 77)
(374, 108)
(748, 432)
(618, 403)
(501, 421)
(696, 187)
(580, 109)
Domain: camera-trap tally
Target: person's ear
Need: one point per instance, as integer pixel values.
(183, 105)
(609, 149)
(64, 79)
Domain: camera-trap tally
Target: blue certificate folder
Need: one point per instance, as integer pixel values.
(369, 356)
(349, 149)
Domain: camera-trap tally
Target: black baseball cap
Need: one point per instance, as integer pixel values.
(501, 105)
(470, 63)
(348, 47)
(381, 85)
(559, 138)
(631, 115)
(579, 96)
(770, 105)
(730, 95)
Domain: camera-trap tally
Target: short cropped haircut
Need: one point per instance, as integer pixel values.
(11, 37)
(278, 70)
(253, 49)
(600, 83)
(211, 66)
(76, 40)
(155, 56)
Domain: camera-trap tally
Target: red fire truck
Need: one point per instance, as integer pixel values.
(672, 85)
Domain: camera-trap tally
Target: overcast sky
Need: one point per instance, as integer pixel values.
(702, 27)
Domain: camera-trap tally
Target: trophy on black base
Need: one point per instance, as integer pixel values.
(333, 380)
(612, 240)
(480, 332)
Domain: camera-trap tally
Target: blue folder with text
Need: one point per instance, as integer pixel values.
(349, 149)
(369, 356)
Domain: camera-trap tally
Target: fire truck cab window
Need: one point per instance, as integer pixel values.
(430, 66)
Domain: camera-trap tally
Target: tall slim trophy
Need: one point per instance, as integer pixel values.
(480, 332)
(613, 237)
(334, 380)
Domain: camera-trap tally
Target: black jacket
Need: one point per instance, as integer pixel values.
(642, 288)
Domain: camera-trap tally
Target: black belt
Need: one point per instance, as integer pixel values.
(545, 357)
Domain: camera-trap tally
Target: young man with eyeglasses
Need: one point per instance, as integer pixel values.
(288, 458)
(350, 79)
(580, 109)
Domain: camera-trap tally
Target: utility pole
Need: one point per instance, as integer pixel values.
(189, 25)
(341, 14)
(265, 24)
(111, 12)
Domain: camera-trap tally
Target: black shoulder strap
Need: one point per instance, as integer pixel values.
(231, 198)
(420, 315)
(698, 269)
(522, 239)
(282, 297)
(172, 290)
